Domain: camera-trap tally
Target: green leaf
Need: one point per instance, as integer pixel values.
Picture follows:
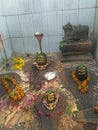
(63, 43)
(68, 110)
(12, 93)
(5, 96)
(7, 76)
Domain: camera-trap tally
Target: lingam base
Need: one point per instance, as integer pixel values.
(41, 67)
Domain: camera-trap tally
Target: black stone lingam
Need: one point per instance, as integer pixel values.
(81, 72)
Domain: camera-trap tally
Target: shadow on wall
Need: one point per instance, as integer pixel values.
(93, 38)
(96, 53)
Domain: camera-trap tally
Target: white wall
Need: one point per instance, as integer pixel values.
(20, 19)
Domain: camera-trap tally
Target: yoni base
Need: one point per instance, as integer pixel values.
(41, 67)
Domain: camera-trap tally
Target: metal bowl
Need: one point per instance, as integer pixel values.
(49, 75)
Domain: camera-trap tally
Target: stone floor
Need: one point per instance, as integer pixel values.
(23, 116)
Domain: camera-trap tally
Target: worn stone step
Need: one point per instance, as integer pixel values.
(87, 115)
(80, 57)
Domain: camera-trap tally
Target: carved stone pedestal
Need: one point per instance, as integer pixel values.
(79, 51)
(76, 46)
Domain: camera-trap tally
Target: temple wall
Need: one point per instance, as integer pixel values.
(20, 19)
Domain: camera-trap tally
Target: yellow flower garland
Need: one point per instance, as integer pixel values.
(82, 85)
(18, 63)
(17, 93)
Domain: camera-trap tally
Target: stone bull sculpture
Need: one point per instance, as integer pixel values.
(75, 32)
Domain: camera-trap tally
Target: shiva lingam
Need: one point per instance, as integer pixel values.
(40, 57)
(81, 78)
(50, 99)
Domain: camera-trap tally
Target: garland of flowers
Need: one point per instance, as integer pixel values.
(17, 93)
(18, 63)
(82, 85)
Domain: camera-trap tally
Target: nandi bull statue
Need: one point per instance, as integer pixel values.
(75, 33)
